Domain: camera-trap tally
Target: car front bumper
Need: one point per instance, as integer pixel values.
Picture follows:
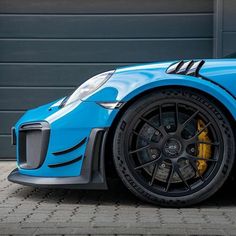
(92, 174)
(62, 148)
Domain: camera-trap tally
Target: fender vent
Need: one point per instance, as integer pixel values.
(190, 68)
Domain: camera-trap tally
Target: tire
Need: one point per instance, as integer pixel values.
(173, 147)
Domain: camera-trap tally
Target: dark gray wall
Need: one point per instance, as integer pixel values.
(225, 28)
(48, 47)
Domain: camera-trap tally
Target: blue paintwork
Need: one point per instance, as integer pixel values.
(70, 124)
(128, 82)
(222, 72)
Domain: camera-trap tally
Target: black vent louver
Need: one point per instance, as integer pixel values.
(190, 68)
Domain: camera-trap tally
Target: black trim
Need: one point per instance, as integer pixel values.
(172, 68)
(44, 128)
(179, 65)
(33, 126)
(13, 136)
(94, 160)
(92, 174)
(70, 149)
(185, 67)
(65, 163)
(78, 182)
(190, 68)
(195, 68)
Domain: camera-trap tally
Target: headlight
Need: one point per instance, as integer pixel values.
(88, 87)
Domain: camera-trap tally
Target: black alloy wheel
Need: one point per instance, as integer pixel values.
(173, 147)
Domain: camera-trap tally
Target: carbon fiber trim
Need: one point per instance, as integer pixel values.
(190, 68)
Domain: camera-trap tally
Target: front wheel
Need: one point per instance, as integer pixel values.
(173, 147)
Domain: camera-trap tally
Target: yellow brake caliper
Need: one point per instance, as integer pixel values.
(204, 150)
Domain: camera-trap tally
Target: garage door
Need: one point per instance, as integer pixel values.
(225, 28)
(49, 47)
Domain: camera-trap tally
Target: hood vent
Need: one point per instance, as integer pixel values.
(190, 68)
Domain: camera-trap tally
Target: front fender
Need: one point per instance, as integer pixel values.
(126, 84)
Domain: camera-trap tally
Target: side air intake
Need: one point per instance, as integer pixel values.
(190, 68)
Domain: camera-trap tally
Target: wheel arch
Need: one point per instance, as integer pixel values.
(223, 105)
(137, 96)
(212, 91)
(117, 154)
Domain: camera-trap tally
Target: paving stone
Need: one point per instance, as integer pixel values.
(27, 211)
(206, 232)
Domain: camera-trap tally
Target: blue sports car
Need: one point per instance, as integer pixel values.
(168, 129)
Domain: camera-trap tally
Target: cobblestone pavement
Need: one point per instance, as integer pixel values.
(33, 211)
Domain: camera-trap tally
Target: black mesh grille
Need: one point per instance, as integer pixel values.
(33, 144)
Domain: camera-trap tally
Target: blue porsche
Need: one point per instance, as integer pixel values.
(168, 129)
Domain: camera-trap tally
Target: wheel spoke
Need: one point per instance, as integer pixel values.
(139, 149)
(154, 173)
(189, 156)
(149, 123)
(194, 166)
(200, 131)
(208, 143)
(178, 171)
(190, 119)
(169, 178)
(177, 114)
(148, 163)
(160, 129)
(179, 126)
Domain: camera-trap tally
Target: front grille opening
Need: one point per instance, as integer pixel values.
(33, 144)
(33, 148)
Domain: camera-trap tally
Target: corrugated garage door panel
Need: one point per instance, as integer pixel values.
(225, 29)
(47, 47)
(106, 26)
(229, 27)
(7, 150)
(7, 118)
(229, 43)
(50, 74)
(104, 6)
(128, 50)
(229, 10)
